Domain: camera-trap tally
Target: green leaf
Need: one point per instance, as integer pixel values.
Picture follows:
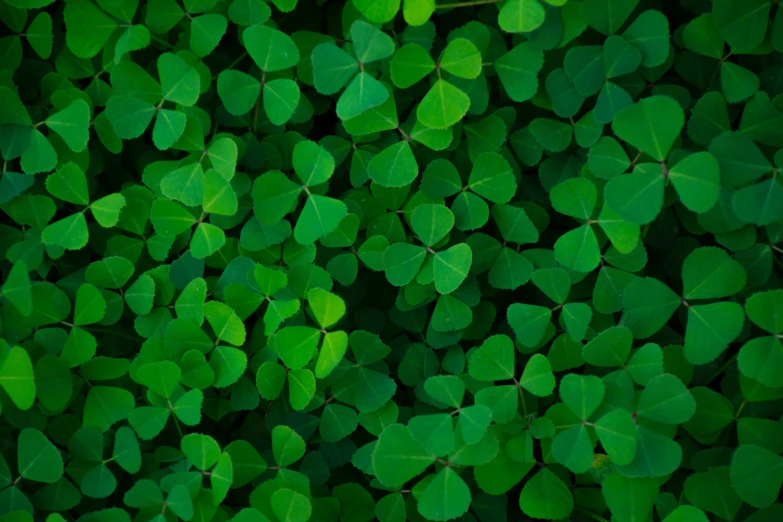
(574, 197)
(416, 13)
(287, 445)
(712, 491)
(651, 125)
(521, 16)
(701, 36)
(461, 58)
(225, 323)
(755, 203)
(697, 181)
(107, 405)
(607, 16)
(281, 98)
(16, 378)
(442, 106)
(206, 32)
(493, 360)
(649, 33)
(450, 314)
(410, 64)
(332, 68)
(126, 450)
(188, 407)
(378, 11)
(70, 233)
(683, 513)
(207, 239)
(133, 38)
(90, 305)
(16, 288)
(87, 28)
(168, 128)
(221, 478)
(362, 94)
(710, 329)
(179, 81)
(395, 166)
(446, 389)
(648, 305)
(180, 503)
(39, 156)
(665, 399)
(737, 83)
(637, 197)
(72, 125)
(537, 377)
(578, 249)
(617, 432)
(38, 459)
(270, 49)
(13, 110)
(582, 394)
(552, 135)
(764, 309)
(337, 422)
(371, 44)
(98, 482)
(432, 223)
(554, 282)
(645, 363)
(201, 450)
(741, 161)
(326, 307)
(296, 345)
(161, 377)
(742, 25)
(584, 66)
(514, 224)
(106, 210)
(620, 57)
(529, 322)
(238, 91)
(709, 273)
(398, 457)
(129, 116)
(290, 506)
(219, 196)
(609, 348)
(756, 475)
(445, 497)
(320, 216)
(518, 71)
(572, 448)
(170, 218)
(450, 267)
(607, 158)
(629, 498)
(546, 496)
(402, 261)
(492, 178)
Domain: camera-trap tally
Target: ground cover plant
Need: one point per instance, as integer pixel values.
(391, 260)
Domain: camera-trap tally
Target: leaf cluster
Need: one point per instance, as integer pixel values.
(487, 261)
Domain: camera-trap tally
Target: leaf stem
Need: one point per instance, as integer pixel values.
(113, 332)
(161, 41)
(232, 64)
(521, 396)
(466, 4)
(722, 368)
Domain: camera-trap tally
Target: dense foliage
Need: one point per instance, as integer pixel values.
(393, 260)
